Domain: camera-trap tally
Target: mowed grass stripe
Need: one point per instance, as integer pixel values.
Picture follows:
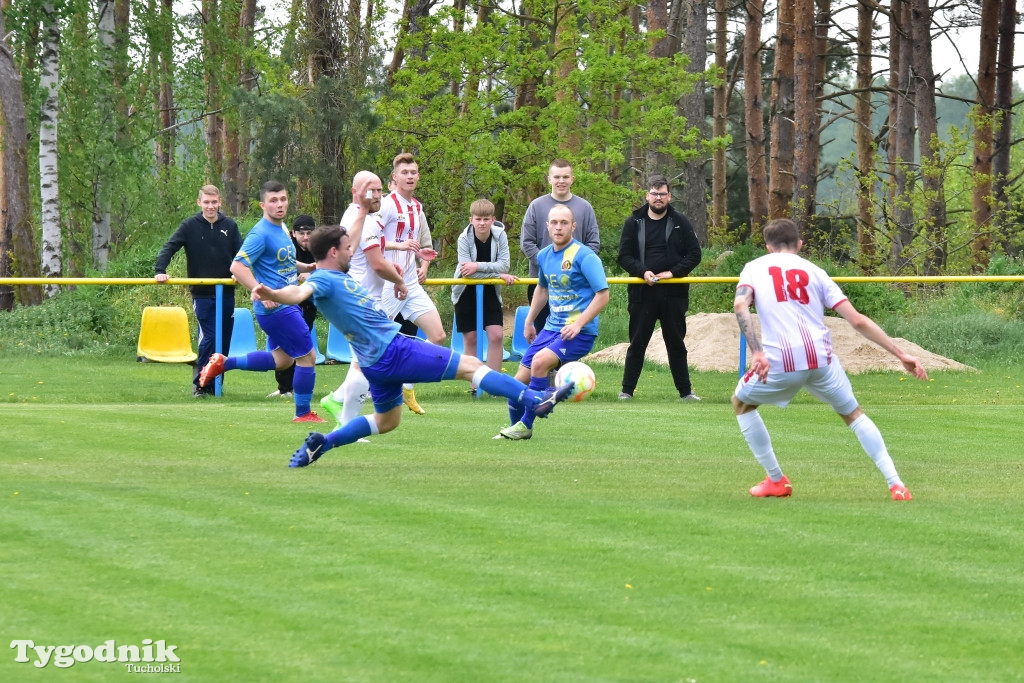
(436, 554)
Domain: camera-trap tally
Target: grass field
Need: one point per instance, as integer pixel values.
(620, 544)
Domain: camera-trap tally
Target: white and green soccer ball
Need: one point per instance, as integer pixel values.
(581, 375)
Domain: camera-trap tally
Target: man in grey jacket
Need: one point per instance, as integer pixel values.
(534, 235)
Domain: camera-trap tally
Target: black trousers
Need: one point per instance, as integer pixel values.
(653, 307)
(206, 315)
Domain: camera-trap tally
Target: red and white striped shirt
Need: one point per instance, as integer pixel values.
(790, 295)
(402, 219)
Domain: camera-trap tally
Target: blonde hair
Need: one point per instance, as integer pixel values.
(209, 190)
(403, 158)
(481, 207)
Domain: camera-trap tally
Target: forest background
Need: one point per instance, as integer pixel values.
(114, 112)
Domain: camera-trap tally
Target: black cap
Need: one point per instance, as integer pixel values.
(303, 221)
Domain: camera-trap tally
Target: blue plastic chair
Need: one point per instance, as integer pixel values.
(519, 343)
(243, 333)
(338, 348)
(458, 342)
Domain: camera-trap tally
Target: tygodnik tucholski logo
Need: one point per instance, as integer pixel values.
(150, 657)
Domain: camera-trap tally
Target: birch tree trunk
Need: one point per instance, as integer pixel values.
(49, 187)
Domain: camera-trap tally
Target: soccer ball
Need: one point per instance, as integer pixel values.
(581, 375)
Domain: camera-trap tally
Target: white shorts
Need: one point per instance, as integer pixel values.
(412, 307)
(829, 384)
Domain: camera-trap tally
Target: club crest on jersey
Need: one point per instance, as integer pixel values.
(566, 264)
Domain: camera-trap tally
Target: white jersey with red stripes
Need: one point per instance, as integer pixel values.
(402, 219)
(372, 238)
(791, 295)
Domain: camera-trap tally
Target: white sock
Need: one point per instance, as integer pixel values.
(356, 385)
(481, 371)
(339, 393)
(873, 444)
(372, 420)
(408, 386)
(760, 442)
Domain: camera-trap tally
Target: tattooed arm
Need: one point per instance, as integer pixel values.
(741, 305)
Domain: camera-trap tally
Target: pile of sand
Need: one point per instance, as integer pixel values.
(713, 343)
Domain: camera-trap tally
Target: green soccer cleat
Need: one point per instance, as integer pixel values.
(517, 432)
(333, 407)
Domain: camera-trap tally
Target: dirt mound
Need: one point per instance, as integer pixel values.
(713, 343)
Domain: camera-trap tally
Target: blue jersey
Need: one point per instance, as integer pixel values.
(352, 309)
(268, 251)
(572, 277)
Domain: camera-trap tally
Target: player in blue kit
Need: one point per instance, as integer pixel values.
(387, 358)
(268, 256)
(572, 282)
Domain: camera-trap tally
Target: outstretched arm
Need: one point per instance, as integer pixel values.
(871, 331)
(741, 305)
(292, 294)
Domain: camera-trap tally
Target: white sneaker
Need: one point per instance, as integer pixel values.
(623, 396)
(277, 393)
(690, 397)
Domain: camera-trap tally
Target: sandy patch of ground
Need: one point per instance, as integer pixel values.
(713, 343)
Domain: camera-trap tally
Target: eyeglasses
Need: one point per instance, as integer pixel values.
(658, 195)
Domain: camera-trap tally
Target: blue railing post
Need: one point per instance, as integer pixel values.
(743, 353)
(480, 338)
(218, 335)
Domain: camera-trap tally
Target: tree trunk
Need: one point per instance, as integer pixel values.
(720, 117)
(901, 132)
(18, 256)
(212, 66)
(932, 171)
(981, 245)
(101, 190)
(412, 14)
(866, 179)
(694, 45)
(753, 99)
(780, 179)
(49, 187)
(805, 129)
(165, 143)
(248, 25)
(473, 77)
(231, 19)
(1004, 106)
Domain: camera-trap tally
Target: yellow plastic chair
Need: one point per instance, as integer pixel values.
(164, 337)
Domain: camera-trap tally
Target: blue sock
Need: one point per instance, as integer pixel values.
(538, 384)
(354, 430)
(515, 411)
(302, 387)
(256, 361)
(497, 384)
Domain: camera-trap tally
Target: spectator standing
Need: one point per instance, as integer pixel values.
(483, 254)
(302, 228)
(407, 236)
(210, 240)
(534, 234)
(658, 243)
(267, 256)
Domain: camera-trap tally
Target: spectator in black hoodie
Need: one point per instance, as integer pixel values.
(211, 241)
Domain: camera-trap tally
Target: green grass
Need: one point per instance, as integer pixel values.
(618, 545)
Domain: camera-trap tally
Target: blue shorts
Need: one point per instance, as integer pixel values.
(574, 349)
(411, 360)
(286, 330)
